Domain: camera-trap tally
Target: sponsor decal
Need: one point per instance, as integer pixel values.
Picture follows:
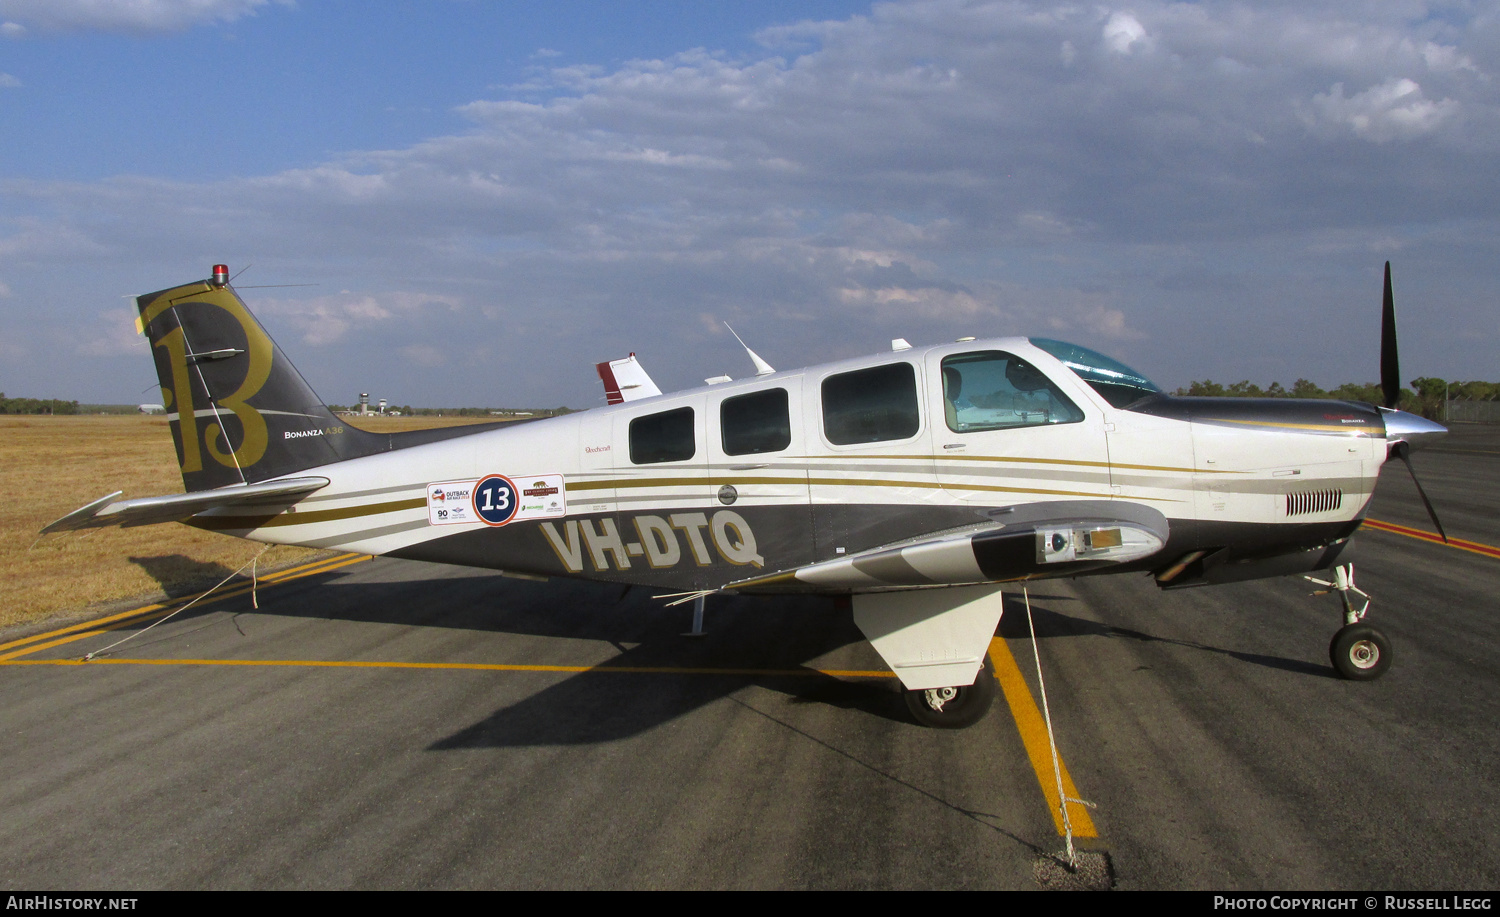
(496, 500)
(542, 497)
(592, 449)
(656, 542)
(448, 503)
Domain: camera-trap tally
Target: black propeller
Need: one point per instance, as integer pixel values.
(1390, 365)
(1390, 389)
(1404, 450)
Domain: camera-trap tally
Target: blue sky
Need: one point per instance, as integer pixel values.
(493, 196)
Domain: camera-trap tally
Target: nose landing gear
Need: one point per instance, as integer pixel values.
(1359, 651)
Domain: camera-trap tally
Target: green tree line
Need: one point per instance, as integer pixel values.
(36, 406)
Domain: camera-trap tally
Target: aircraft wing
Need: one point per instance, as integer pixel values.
(149, 510)
(1034, 540)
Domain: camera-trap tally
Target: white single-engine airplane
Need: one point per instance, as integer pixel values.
(916, 481)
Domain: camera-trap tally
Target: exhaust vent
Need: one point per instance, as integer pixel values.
(1318, 501)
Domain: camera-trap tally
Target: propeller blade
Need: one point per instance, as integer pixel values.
(1390, 364)
(1404, 450)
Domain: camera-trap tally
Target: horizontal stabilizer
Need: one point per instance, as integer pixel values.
(108, 511)
(626, 380)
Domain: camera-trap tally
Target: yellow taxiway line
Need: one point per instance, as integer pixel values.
(1023, 708)
(37, 642)
(1433, 538)
(1033, 729)
(469, 666)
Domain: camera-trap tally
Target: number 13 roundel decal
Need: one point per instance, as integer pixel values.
(495, 499)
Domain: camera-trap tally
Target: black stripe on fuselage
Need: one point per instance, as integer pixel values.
(792, 536)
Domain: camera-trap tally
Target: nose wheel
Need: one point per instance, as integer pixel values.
(1359, 651)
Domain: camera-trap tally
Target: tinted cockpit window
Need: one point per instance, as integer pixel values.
(664, 437)
(871, 405)
(993, 390)
(755, 423)
(1117, 383)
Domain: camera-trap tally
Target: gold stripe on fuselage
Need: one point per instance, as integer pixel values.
(1283, 425)
(248, 521)
(630, 483)
(1023, 460)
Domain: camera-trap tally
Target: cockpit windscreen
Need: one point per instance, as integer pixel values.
(1120, 385)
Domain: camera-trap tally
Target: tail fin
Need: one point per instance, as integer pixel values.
(625, 380)
(240, 412)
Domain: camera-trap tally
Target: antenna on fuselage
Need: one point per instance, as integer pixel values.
(762, 368)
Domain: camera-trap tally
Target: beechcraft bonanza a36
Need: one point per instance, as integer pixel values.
(916, 481)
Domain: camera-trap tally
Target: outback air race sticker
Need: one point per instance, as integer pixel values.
(496, 499)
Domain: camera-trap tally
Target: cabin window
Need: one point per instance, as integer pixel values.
(664, 437)
(993, 390)
(871, 405)
(755, 423)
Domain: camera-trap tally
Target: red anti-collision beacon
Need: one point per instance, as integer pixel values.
(221, 275)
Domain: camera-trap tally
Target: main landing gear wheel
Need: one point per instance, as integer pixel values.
(1360, 652)
(956, 707)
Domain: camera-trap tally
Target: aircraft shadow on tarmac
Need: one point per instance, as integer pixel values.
(782, 633)
(180, 575)
(1052, 625)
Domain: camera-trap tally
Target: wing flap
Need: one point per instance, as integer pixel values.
(107, 511)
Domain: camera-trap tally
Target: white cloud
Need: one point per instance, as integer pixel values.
(112, 333)
(1123, 33)
(325, 320)
(1096, 322)
(122, 15)
(1394, 110)
(425, 355)
(1041, 223)
(12, 30)
(8, 82)
(936, 168)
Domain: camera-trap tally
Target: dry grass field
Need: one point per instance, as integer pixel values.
(50, 466)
